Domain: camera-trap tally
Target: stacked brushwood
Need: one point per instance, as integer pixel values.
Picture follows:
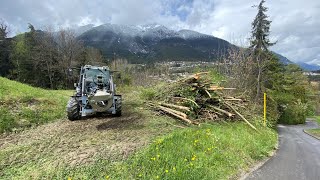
(196, 99)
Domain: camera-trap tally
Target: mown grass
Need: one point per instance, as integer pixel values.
(24, 106)
(212, 151)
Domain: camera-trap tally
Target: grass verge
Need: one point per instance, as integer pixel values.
(24, 106)
(212, 151)
(315, 132)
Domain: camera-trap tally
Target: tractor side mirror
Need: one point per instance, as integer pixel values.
(70, 72)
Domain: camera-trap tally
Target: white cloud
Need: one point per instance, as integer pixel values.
(295, 23)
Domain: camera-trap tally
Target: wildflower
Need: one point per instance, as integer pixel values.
(193, 157)
(167, 170)
(197, 140)
(174, 169)
(107, 177)
(69, 178)
(153, 158)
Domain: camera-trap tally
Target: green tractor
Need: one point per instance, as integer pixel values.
(95, 93)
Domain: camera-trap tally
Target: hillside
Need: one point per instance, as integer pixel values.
(24, 106)
(138, 145)
(153, 42)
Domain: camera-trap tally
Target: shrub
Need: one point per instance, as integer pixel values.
(294, 113)
(148, 94)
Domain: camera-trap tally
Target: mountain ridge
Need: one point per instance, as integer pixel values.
(153, 42)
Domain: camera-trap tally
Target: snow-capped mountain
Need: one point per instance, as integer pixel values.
(153, 42)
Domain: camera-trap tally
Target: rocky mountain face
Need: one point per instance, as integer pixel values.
(153, 42)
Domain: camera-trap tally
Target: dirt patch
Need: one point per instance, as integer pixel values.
(74, 143)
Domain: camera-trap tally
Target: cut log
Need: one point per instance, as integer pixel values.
(223, 111)
(197, 75)
(186, 99)
(176, 115)
(182, 108)
(173, 111)
(233, 99)
(214, 88)
(245, 120)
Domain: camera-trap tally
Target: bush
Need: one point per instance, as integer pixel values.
(291, 109)
(148, 94)
(294, 114)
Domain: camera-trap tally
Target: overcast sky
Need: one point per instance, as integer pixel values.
(296, 23)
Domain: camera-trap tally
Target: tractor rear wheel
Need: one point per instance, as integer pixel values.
(73, 109)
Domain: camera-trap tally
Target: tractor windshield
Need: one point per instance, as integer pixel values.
(94, 73)
(97, 77)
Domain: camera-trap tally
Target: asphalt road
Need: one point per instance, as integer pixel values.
(298, 157)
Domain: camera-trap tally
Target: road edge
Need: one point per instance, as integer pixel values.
(259, 164)
(304, 130)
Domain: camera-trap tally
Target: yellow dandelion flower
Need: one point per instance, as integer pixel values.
(166, 170)
(107, 177)
(153, 158)
(174, 169)
(193, 157)
(69, 178)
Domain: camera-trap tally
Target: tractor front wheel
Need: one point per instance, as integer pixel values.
(73, 109)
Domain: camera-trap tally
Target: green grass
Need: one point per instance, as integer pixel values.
(315, 132)
(24, 106)
(212, 151)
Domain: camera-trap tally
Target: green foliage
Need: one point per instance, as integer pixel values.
(23, 106)
(148, 93)
(260, 29)
(288, 89)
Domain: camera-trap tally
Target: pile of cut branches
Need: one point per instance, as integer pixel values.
(196, 99)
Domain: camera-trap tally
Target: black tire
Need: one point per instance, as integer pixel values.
(118, 109)
(73, 109)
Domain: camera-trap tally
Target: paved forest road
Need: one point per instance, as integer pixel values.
(298, 157)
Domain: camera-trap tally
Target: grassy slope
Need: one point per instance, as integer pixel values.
(24, 106)
(213, 151)
(83, 151)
